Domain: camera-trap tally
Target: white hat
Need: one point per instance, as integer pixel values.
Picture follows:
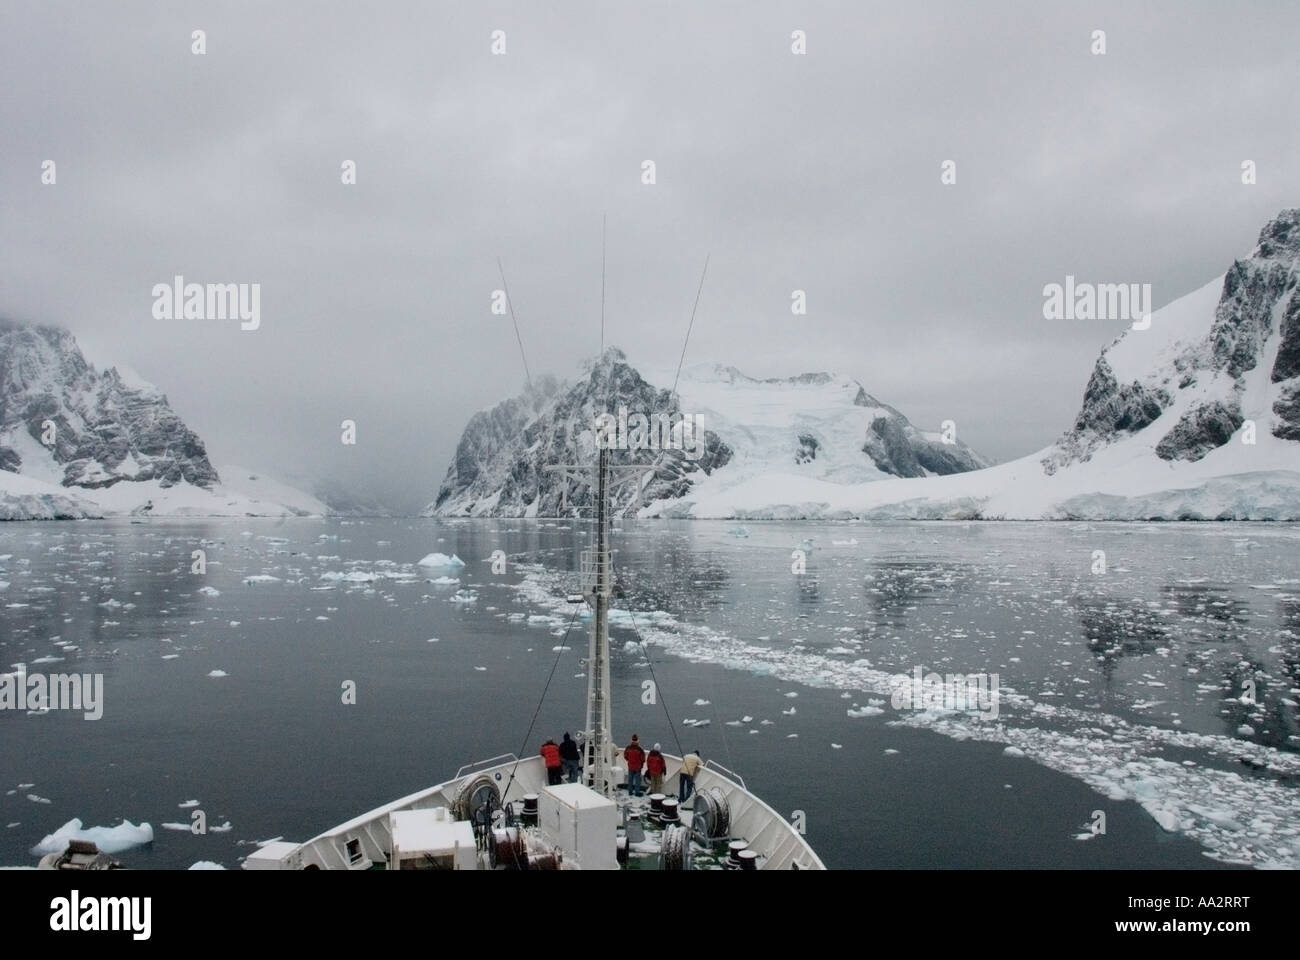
(656, 746)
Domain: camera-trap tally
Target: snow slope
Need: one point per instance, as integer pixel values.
(763, 420)
(26, 498)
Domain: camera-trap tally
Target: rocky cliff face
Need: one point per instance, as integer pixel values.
(817, 425)
(63, 422)
(498, 466)
(1203, 377)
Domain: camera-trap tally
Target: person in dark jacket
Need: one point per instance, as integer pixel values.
(655, 767)
(571, 758)
(551, 753)
(635, 757)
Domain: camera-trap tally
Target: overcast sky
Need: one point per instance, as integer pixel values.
(818, 172)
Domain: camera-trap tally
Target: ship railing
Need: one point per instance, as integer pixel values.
(489, 762)
(590, 565)
(714, 765)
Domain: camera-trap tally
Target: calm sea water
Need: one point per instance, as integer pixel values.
(1161, 691)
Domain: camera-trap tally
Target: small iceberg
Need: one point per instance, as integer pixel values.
(124, 836)
(442, 561)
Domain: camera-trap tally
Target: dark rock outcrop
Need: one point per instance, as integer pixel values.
(96, 428)
(1199, 431)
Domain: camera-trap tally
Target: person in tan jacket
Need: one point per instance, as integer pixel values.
(686, 778)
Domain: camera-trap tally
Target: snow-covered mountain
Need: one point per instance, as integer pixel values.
(815, 427)
(63, 422)
(1195, 387)
(76, 441)
(1197, 417)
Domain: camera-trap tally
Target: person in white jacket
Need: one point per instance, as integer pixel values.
(686, 777)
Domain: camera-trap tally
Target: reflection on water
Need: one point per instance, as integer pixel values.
(895, 588)
(91, 592)
(1114, 629)
(1210, 611)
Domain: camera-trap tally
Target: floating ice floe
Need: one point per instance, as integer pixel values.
(186, 804)
(701, 702)
(261, 578)
(124, 836)
(205, 865)
(864, 712)
(441, 560)
(209, 591)
(217, 673)
(354, 576)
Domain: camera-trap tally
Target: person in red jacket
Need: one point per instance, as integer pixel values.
(552, 754)
(655, 768)
(635, 757)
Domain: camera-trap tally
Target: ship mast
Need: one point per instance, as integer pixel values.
(600, 752)
(597, 579)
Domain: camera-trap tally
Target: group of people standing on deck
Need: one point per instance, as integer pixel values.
(564, 765)
(563, 760)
